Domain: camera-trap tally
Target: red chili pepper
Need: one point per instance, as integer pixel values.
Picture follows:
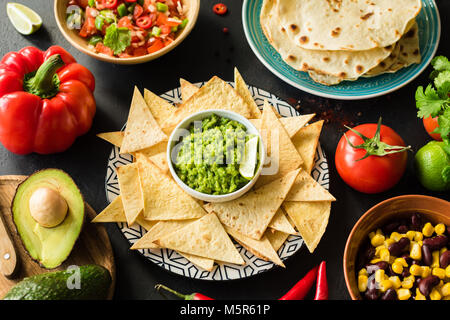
(301, 288)
(144, 22)
(109, 4)
(138, 11)
(322, 284)
(192, 296)
(46, 100)
(220, 9)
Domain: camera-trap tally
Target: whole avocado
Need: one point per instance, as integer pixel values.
(94, 282)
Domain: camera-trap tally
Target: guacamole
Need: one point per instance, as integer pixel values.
(209, 156)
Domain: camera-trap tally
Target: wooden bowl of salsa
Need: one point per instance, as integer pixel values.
(126, 31)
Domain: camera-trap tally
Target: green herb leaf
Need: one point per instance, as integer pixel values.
(441, 78)
(440, 63)
(118, 39)
(429, 102)
(444, 124)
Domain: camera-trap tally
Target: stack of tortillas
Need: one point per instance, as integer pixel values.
(286, 202)
(336, 40)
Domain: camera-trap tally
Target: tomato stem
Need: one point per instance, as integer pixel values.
(374, 146)
(44, 82)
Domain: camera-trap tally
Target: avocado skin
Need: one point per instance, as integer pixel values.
(95, 281)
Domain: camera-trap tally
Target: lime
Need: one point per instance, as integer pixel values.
(24, 19)
(432, 165)
(248, 164)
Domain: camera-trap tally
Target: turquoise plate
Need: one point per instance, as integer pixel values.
(363, 88)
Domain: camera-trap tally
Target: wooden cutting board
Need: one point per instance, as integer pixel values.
(92, 247)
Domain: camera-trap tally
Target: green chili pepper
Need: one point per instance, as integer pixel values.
(161, 7)
(156, 31)
(99, 21)
(91, 3)
(94, 40)
(131, 8)
(174, 29)
(183, 23)
(141, 2)
(122, 10)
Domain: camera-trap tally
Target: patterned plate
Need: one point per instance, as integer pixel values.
(171, 260)
(364, 88)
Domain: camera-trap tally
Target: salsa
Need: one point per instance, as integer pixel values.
(209, 157)
(127, 28)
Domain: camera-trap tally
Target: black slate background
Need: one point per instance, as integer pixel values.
(207, 51)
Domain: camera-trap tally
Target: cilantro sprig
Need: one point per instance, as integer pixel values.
(434, 100)
(118, 39)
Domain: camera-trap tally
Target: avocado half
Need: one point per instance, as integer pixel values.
(49, 246)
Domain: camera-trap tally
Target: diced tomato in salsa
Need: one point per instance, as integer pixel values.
(101, 48)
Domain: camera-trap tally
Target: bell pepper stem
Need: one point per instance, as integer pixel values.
(44, 82)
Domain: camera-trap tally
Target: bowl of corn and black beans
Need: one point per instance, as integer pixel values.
(399, 250)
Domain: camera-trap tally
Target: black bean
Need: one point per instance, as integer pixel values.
(371, 268)
(402, 229)
(427, 258)
(405, 273)
(416, 222)
(372, 294)
(444, 259)
(390, 294)
(387, 229)
(436, 243)
(427, 284)
(407, 258)
(396, 248)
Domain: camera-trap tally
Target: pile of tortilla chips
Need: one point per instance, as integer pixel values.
(289, 201)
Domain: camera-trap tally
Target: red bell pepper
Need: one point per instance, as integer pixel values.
(46, 100)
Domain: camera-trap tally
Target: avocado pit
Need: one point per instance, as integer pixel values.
(48, 207)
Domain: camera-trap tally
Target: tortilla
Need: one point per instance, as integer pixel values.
(187, 89)
(306, 141)
(242, 90)
(206, 238)
(341, 64)
(291, 124)
(280, 150)
(276, 238)
(251, 214)
(216, 93)
(146, 224)
(345, 24)
(280, 223)
(160, 108)
(142, 130)
(115, 137)
(157, 154)
(163, 198)
(130, 190)
(163, 228)
(112, 213)
(305, 188)
(260, 248)
(310, 218)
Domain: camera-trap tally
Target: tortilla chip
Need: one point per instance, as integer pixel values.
(216, 93)
(280, 223)
(206, 238)
(130, 189)
(242, 90)
(146, 224)
(112, 213)
(276, 238)
(160, 108)
(291, 124)
(142, 130)
(163, 198)
(310, 218)
(157, 154)
(260, 248)
(306, 141)
(282, 153)
(305, 188)
(115, 137)
(187, 89)
(251, 214)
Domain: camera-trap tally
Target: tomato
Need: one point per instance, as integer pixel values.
(109, 4)
(373, 164)
(165, 29)
(100, 47)
(138, 11)
(82, 3)
(144, 22)
(430, 125)
(130, 1)
(88, 28)
(220, 9)
(158, 44)
(125, 22)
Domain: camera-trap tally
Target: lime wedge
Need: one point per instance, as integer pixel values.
(247, 166)
(24, 19)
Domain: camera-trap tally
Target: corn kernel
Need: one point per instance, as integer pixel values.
(385, 285)
(377, 240)
(426, 271)
(396, 283)
(442, 250)
(416, 251)
(395, 236)
(384, 254)
(438, 272)
(435, 295)
(439, 228)
(410, 234)
(428, 229)
(373, 261)
(379, 231)
(363, 271)
(403, 294)
(435, 260)
(419, 295)
(415, 270)
(447, 271)
(397, 267)
(371, 235)
(388, 242)
(402, 261)
(378, 249)
(362, 283)
(445, 290)
(418, 236)
(408, 282)
(379, 275)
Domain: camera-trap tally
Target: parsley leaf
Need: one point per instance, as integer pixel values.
(444, 124)
(440, 63)
(118, 39)
(428, 102)
(441, 79)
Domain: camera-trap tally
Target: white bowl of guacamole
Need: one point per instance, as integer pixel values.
(205, 152)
